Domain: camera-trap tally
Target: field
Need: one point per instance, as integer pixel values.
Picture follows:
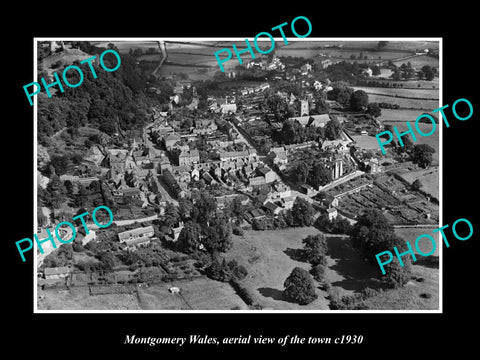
(426, 105)
(419, 61)
(432, 140)
(78, 298)
(410, 234)
(428, 177)
(197, 294)
(366, 142)
(269, 257)
(416, 295)
(421, 93)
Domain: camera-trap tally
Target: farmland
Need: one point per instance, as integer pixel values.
(79, 298)
(417, 93)
(428, 177)
(426, 105)
(196, 294)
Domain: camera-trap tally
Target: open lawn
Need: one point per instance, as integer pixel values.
(270, 257)
(349, 273)
(195, 294)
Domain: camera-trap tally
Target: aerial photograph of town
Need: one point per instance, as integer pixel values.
(258, 188)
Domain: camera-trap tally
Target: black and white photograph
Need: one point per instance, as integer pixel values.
(252, 186)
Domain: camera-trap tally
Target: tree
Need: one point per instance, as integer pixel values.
(171, 215)
(416, 185)
(188, 240)
(320, 175)
(374, 110)
(422, 155)
(341, 92)
(333, 129)
(314, 248)
(302, 212)
(381, 44)
(370, 232)
(60, 164)
(218, 236)
(359, 100)
(204, 206)
(397, 276)
(299, 287)
(301, 172)
(428, 72)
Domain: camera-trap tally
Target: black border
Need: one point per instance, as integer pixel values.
(385, 334)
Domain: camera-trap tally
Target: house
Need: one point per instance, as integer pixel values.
(280, 190)
(130, 193)
(257, 214)
(170, 140)
(367, 72)
(279, 155)
(208, 178)
(195, 174)
(256, 181)
(332, 213)
(137, 237)
(171, 182)
(307, 189)
(321, 62)
(187, 157)
(133, 244)
(205, 126)
(56, 272)
(287, 202)
(273, 208)
(175, 233)
(268, 174)
(137, 233)
(228, 108)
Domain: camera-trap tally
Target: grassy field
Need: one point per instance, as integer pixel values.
(348, 273)
(269, 257)
(197, 294)
(410, 234)
(426, 105)
(432, 140)
(416, 295)
(419, 61)
(422, 93)
(78, 298)
(428, 177)
(366, 142)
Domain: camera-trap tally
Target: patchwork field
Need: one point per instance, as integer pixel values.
(195, 294)
(78, 298)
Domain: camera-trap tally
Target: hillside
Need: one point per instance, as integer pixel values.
(113, 102)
